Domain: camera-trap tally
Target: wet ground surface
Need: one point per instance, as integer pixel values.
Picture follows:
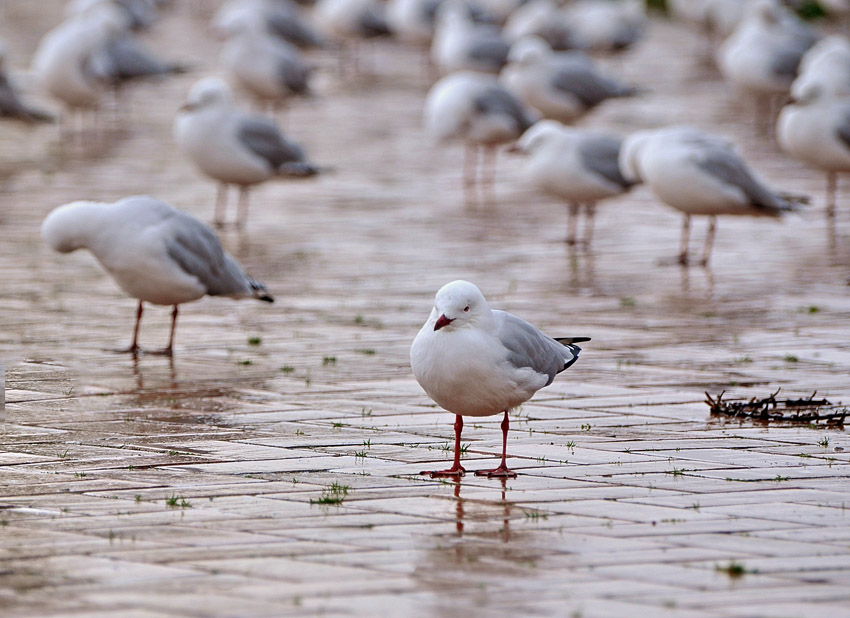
(206, 485)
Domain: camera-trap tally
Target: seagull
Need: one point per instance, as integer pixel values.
(699, 174)
(476, 109)
(269, 68)
(761, 57)
(560, 85)
(541, 18)
(816, 130)
(412, 21)
(824, 70)
(460, 44)
(11, 105)
(349, 22)
(280, 18)
(604, 26)
(64, 63)
(576, 165)
(154, 252)
(474, 361)
(232, 147)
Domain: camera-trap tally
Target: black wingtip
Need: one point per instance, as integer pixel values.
(570, 340)
(266, 298)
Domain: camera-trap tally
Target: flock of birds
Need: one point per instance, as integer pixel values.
(507, 72)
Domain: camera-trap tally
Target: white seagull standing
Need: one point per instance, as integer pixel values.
(474, 361)
(577, 165)
(233, 147)
(269, 68)
(816, 130)
(476, 109)
(560, 85)
(460, 44)
(154, 252)
(763, 54)
(699, 174)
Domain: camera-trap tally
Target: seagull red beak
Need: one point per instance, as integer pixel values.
(442, 321)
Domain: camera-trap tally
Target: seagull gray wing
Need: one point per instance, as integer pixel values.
(262, 137)
(491, 49)
(289, 26)
(725, 166)
(129, 59)
(528, 347)
(579, 79)
(497, 100)
(600, 154)
(293, 74)
(843, 128)
(198, 252)
(786, 61)
(12, 107)
(373, 22)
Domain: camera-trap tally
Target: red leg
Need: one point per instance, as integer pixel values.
(503, 470)
(134, 347)
(169, 351)
(456, 469)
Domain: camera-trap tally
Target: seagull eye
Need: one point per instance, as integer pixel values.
(466, 309)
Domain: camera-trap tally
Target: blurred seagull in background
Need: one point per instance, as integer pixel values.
(461, 44)
(279, 18)
(233, 147)
(11, 105)
(476, 109)
(474, 361)
(699, 174)
(153, 251)
(268, 68)
(562, 86)
(763, 54)
(816, 131)
(576, 165)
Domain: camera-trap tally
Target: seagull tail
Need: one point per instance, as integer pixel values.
(570, 344)
(260, 291)
(298, 169)
(571, 340)
(793, 201)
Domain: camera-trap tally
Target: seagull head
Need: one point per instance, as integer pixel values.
(529, 50)
(540, 134)
(208, 92)
(458, 304)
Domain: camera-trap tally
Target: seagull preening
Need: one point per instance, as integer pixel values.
(474, 361)
(153, 251)
(232, 147)
(699, 174)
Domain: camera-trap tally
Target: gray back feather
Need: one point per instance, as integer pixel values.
(373, 23)
(198, 252)
(289, 26)
(528, 347)
(128, 59)
(11, 106)
(601, 155)
(497, 100)
(843, 129)
(263, 138)
(294, 74)
(582, 81)
(728, 168)
(491, 50)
